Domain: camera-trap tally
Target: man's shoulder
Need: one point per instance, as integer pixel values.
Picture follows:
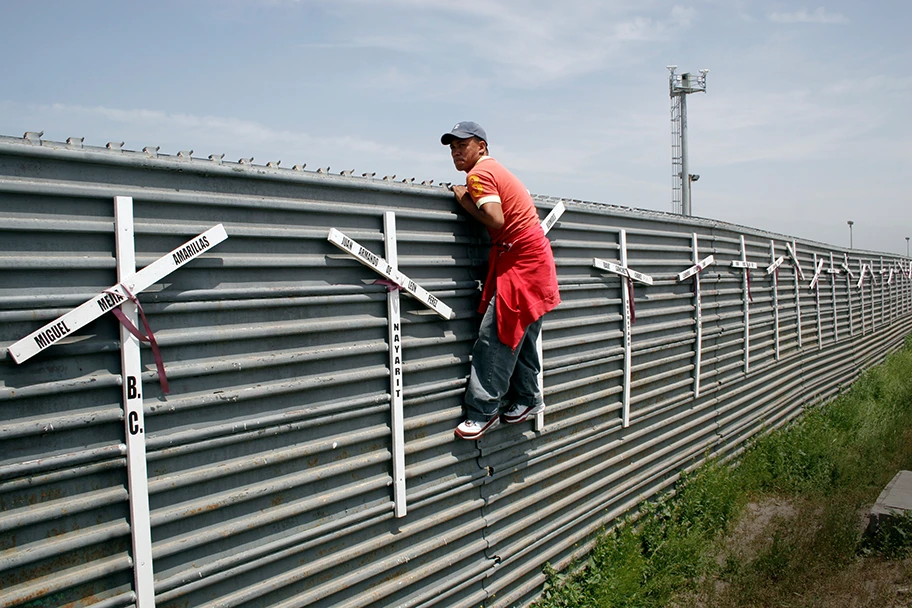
(488, 166)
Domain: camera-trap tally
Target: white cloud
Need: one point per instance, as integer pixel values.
(820, 15)
(532, 47)
(880, 84)
(794, 125)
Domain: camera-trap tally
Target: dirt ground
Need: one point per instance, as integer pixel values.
(774, 557)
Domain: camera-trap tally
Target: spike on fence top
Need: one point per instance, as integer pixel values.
(154, 152)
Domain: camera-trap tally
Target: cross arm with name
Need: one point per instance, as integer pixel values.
(817, 271)
(382, 267)
(697, 268)
(775, 265)
(795, 262)
(113, 297)
(623, 271)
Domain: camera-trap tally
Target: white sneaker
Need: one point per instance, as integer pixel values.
(470, 429)
(519, 413)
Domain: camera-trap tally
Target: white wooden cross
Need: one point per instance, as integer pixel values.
(815, 285)
(907, 272)
(861, 274)
(397, 409)
(833, 271)
(773, 269)
(892, 298)
(818, 269)
(746, 299)
(792, 251)
(547, 224)
(388, 268)
(694, 271)
(629, 276)
(862, 271)
(123, 294)
(849, 275)
(883, 292)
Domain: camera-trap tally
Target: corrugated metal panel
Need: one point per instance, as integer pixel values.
(269, 464)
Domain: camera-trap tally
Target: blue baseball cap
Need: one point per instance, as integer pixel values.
(464, 130)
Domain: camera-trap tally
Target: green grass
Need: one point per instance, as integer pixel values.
(825, 468)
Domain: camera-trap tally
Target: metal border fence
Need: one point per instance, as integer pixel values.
(270, 469)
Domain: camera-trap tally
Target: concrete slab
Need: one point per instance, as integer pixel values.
(894, 501)
(897, 496)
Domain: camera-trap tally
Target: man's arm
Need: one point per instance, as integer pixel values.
(489, 214)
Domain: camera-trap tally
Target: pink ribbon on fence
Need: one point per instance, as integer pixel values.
(147, 337)
(390, 285)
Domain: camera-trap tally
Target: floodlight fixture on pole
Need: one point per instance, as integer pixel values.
(850, 223)
(691, 178)
(679, 86)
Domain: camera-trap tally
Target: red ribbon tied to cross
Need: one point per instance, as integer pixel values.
(147, 337)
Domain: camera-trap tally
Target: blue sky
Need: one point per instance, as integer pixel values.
(805, 123)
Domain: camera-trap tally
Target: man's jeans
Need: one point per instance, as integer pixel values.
(499, 372)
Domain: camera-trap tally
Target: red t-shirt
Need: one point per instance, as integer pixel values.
(489, 182)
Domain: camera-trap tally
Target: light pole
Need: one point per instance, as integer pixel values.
(907, 246)
(679, 86)
(850, 222)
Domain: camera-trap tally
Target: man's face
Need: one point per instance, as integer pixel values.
(466, 152)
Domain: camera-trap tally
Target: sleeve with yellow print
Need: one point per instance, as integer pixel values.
(482, 189)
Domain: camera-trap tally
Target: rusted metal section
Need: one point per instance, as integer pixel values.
(270, 463)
